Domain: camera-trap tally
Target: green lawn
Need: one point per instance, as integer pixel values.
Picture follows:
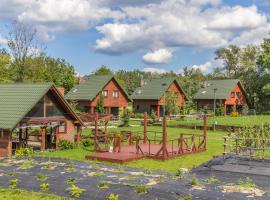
(221, 120)
(8, 194)
(214, 148)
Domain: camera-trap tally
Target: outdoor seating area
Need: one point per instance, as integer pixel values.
(127, 145)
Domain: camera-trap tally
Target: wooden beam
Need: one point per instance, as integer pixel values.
(144, 127)
(43, 139)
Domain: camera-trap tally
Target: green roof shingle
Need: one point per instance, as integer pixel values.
(153, 89)
(224, 88)
(16, 100)
(89, 89)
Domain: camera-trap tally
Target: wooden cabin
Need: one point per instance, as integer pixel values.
(87, 94)
(229, 93)
(34, 115)
(150, 97)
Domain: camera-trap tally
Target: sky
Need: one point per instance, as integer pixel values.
(150, 35)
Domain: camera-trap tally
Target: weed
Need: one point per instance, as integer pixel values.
(24, 152)
(75, 191)
(99, 174)
(141, 189)
(211, 180)
(41, 177)
(71, 180)
(4, 164)
(48, 167)
(27, 164)
(113, 197)
(194, 181)
(181, 173)
(13, 183)
(11, 173)
(103, 184)
(186, 197)
(44, 187)
(246, 183)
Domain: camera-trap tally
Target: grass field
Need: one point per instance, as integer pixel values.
(9, 194)
(221, 120)
(214, 148)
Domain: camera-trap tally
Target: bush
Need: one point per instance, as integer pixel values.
(125, 120)
(87, 142)
(65, 144)
(113, 197)
(235, 114)
(13, 183)
(23, 152)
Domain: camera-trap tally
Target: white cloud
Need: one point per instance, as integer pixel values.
(177, 23)
(3, 41)
(158, 56)
(203, 67)
(154, 70)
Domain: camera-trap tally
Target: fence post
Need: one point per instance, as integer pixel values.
(144, 127)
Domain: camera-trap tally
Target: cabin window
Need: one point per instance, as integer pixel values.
(232, 95)
(138, 107)
(238, 94)
(105, 93)
(115, 94)
(62, 128)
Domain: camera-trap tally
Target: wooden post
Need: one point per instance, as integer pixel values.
(96, 131)
(20, 137)
(9, 147)
(145, 127)
(205, 129)
(225, 109)
(43, 138)
(106, 126)
(56, 135)
(158, 111)
(92, 110)
(164, 137)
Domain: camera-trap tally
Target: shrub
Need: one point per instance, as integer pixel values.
(125, 120)
(186, 197)
(24, 152)
(75, 191)
(211, 180)
(181, 173)
(99, 174)
(13, 183)
(113, 197)
(44, 187)
(235, 114)
(65, 144)
(87, 142)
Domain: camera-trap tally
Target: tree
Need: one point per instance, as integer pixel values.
(5, 75)
(22, 44)
(103, 70)
(171, 103)
(100, 104)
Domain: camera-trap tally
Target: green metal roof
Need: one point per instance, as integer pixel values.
(153, 89)
(224, 88)
(16, 100)
(89, 89)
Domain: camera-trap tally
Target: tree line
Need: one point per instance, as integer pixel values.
(24, 60)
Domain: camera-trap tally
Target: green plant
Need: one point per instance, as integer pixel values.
(44, 187)
(113, 197)
(181, 173)
(211, 180)
(99, 174)
(186, 197)
(103, 184)
(11, 173)
(100, 104)
(24, 152)
(41, 177)
(234, 114)
(13, 183)
(87, 142)
(141, 189)
(194, 181)
(75, 191)
(71, 180)
(125, 120)
(27, 164)
(246, 182)
(65, 145)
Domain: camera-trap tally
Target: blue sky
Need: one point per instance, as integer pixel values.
(151, 35)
